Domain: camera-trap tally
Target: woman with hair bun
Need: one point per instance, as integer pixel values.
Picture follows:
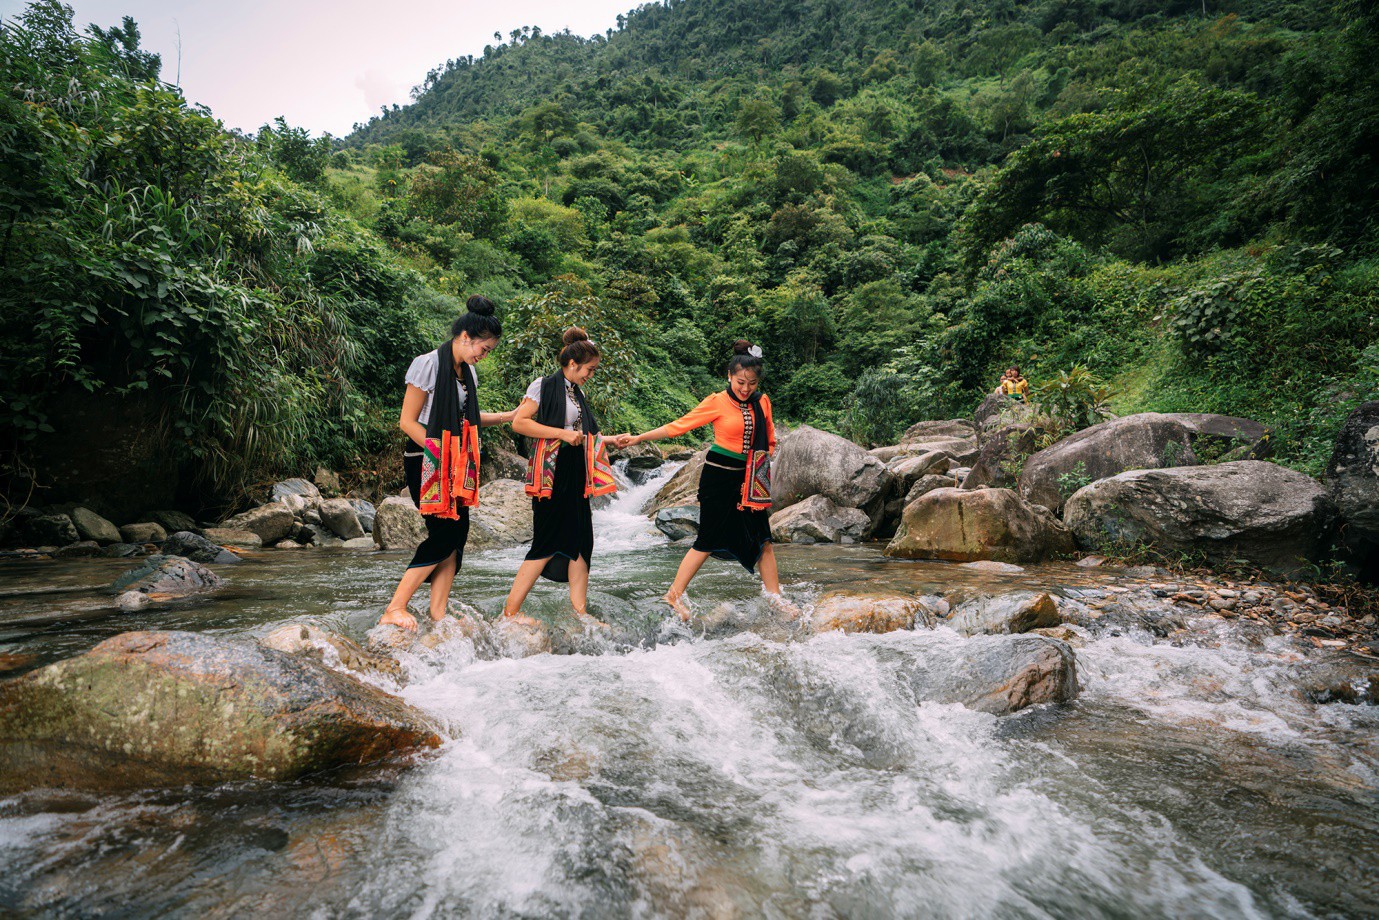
(440, 414)
(568, 466)
(735, 486)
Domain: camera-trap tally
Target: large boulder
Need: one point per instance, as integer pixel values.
(947, 428)
(226, 536)
(398, 524)
(997, 674)
(155, 708)
(191, 546)
(1002, 457)
(813, 462)
(1020, 612)
(1352, 481)
(1225, 437)
(92, 526)
(911, 468)
(681, 488)
(298, 495)
(818, 520)
(985, 524)
(500, 463)
(270, 522)
(167, 576)
(503, 517)
(144, 532)
(924, 485)
(1136, 442)
(998, 411)
(678, 522)
(843, 611)
(339, 516)
(49, 530)
(1253, 510)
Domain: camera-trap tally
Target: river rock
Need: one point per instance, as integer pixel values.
(959, 428)
(1002, 457)
(678, 522)
(1136, 442)
(499, 463)
(516, 639)
(92, 526)
(168, 576)
(359, 543)
(49, 530)
(910, 469)
(339, 516)
(926, 484)
(1005, 613)
(503, 517)
(813, 462)
(146, 532)
(1225, 437)
(188, 545)
(132, 601)
(174, 521)
(681, 488)
(80, 549)
(227, 536)
(993, 568)
(398, 524)
(997, 411)
(843, 611)
(296, 494)
(1340, 677)
(642, 469)
(123, 550)
(155, 708)
(985, 524)
(326, 481)
(1352, 481)
(1254, 510)
(270, 522)
(332, 650)
(365, 511)
(997, 674)
(818, 520)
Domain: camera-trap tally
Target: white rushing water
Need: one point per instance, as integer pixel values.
(761, 777)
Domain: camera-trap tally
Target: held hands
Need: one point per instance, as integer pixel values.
(624, 440)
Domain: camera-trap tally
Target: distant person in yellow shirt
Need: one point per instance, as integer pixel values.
(1014, 385)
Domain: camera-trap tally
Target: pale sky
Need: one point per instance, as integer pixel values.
(324, 66)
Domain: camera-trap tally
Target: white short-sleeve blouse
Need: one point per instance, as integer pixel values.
(422, 375)
(571, 407)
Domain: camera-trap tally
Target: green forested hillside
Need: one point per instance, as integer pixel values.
(896, 199)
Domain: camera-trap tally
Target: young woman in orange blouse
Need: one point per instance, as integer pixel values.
(734, 488)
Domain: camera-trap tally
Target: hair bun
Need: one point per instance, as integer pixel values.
(574, 334)
(741, 347)
(481, 305)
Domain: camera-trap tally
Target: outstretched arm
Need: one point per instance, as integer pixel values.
(496, 418)
(697, 417)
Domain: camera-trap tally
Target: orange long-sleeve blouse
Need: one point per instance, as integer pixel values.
(725, 415)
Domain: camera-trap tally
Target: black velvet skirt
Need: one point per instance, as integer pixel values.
(563, 525)
(443, 537)
(724, 530)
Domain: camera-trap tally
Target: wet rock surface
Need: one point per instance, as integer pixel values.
(168, 576)
(678, 522)
(865, 612)
(152, 708)
(196, 548)
(1007, 613)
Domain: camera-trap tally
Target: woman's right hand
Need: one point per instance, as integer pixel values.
(573, 438)
(399, 618)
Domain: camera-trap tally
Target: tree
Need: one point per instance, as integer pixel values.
(757, 120)
(121, 44)
(457, 190)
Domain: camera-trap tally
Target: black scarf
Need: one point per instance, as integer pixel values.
(760, 440)
(551, 412)
(445, 399)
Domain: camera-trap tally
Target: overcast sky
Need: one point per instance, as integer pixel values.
(323, 65)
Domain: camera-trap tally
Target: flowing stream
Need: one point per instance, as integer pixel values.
(746, 772)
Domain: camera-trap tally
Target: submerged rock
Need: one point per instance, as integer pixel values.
(1273, 517)
(815, 520)
(984, 524)
(197, 549)
(874, 613)
(167, 708)
(678, 522)
(398, 524)
(1005, 613)
(332, 650)
(517, 639)
(1340, 678)
(997, 674)
(168, 576)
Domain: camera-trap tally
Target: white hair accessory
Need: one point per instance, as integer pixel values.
(754, 351)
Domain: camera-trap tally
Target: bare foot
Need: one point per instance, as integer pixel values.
(584, 617)
(679, 605)
(518, 616)
(399, 618)
(782, 604)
